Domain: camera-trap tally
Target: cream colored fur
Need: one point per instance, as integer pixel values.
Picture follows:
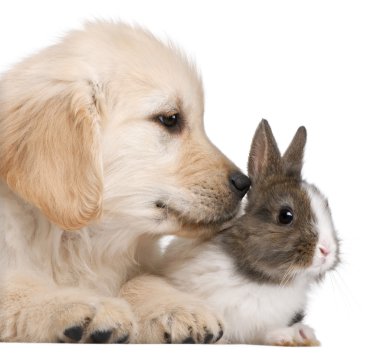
(173, 317)
(90, 180)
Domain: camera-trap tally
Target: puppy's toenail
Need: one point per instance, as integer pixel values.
(75, 333)
(209, 337)
(220, 335)
(167, 338)
(101, 336)
(189, 340)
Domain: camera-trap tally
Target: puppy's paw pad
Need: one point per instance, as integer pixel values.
(208, 338)
(74, 333)
(101, 336)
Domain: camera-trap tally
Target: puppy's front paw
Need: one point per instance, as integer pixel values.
(296, 335)
(167, 315)
(108, 320)
(191, 323)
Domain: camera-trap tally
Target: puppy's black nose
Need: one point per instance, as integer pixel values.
(239, 183)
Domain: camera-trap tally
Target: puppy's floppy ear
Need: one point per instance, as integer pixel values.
(264, 157)
(50, 149)
(293, 157)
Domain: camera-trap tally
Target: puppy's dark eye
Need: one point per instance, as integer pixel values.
(169, 121)
(285, 216)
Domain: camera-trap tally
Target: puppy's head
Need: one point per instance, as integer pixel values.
(110, 121)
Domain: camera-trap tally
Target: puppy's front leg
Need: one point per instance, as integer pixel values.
(167, 315)
(32, 310)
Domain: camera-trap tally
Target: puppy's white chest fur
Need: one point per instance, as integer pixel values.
(249, 309)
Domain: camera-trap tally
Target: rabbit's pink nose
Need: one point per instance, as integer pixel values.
(325, 251)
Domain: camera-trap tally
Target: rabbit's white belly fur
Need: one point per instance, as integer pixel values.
(249, 309)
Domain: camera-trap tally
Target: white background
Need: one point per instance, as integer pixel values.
(312, 63)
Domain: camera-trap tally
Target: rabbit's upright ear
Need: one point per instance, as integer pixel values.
(264, 157)
(50, 148)
(293, 157)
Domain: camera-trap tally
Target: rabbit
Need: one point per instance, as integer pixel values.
(257, 272)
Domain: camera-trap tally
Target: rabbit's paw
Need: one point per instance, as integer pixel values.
(298, 335)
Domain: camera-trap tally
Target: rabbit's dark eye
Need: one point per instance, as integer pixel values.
(285, 216)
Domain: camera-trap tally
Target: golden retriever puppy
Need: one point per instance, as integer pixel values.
(102, 152)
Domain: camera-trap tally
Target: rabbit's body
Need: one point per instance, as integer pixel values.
(252, 312)
(257, 272)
